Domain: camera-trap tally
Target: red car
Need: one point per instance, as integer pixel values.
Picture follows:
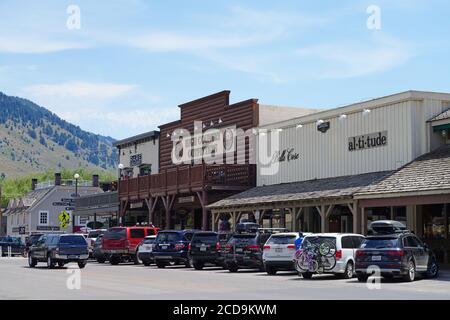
(121, 243)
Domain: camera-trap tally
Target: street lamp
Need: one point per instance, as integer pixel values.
(76, 176)
(119, 218)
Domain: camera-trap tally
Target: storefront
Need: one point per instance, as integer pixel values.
(313, 170)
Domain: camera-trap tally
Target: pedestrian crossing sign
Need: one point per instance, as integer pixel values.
(64, 219)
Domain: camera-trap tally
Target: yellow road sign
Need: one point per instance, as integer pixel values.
(64, 219)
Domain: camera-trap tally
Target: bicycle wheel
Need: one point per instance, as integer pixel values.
(302, 262)
(328, 263)
(327, 249)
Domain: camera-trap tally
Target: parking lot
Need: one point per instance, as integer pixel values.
(128, 281)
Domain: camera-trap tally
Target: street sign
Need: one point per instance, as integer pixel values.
(64, 219)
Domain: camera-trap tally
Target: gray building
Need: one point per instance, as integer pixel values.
(39, 211)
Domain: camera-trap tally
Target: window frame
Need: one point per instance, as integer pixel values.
(40, 223)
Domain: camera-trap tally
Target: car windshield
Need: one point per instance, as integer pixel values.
(168, 236)
(316, 241)
(380, 243)
(115, 234)
(72, 240)
(205, 237)
(149, 241)
(282, 240)
(95, 234)
(243, 239)
(11, 240)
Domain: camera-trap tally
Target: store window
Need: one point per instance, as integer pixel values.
(145, 169)
(435, 221)
(43, 218)
(399, 214)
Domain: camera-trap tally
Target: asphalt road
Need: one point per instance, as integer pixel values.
(127, 281)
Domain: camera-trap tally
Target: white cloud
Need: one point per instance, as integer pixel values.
(80, 90)
(16, 44)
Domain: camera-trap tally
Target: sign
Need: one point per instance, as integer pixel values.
(368, 141)
(21, 230)
(47, 228)
(135, 160)
(189, 199)
(324, 126)
(288, 154)
(135, 205)
(65, 202)
(64, 219)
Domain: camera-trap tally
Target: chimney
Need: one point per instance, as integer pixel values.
(95, 182)
(57, 179)
(33, 184)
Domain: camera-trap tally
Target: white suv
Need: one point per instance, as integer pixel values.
(279, 251)
(332, 253)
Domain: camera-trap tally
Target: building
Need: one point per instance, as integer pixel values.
(339, 169)
(39, 210)
(176, 194)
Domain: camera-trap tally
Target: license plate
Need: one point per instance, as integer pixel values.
(278, 250)
(239, 250)
(202, 248)
(376, 258)
(164, 247)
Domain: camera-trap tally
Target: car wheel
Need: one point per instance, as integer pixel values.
(160, 264)
(50, 262)
(198, 265)
(31, 262)
(362, 277)
(135, 259)
(271, 271)
(146, 263)
(114, 261)
(81, 264)
(233, 268)
(307, 275)
(101, 260)
(433, 269)
(349, 271)
(60, 264)
(411, 272)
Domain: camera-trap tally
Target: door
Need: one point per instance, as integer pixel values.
(411, 244)
(422, 253)
(39, 251)
(347, 248)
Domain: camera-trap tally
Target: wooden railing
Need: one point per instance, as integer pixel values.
(188, 179)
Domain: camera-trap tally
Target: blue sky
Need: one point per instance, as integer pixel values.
(132, 62)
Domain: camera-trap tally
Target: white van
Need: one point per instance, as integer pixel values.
(332, 253)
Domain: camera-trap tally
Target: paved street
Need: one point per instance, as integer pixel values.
(127, 281)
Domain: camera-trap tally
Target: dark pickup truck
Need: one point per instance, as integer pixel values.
(59, 249)
(12, 245)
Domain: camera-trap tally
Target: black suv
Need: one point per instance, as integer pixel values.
(172, 246)
(12, 245)
(59, 249)
(205, 248)
(396, 251)
(244, 250)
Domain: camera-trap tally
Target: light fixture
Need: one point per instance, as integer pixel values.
(444, 133)
(121, 166)
(342, 117)
(279, 130)
(320, 121)
(212, 123)
(168, 135)
(76, 176)
(204, 125)
(299, 126)
(220, 120)
(366, 111)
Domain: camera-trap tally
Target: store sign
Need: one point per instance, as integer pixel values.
(368, 141)
(189, 199)
(47, 228)
(288, 154)
(324, 126)
(135, 160)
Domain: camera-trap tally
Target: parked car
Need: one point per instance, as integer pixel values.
(279, 251)
(121, 243)
(244, 250)
(172, 246)
(32, 239)
(59, 249)
(204, 248)
(92, 237)
(223, 240)
(14, 244)
(396, 252)
(97, 250)
(331, 253)
(145, 250)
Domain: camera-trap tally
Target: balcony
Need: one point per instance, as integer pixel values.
(187, 179)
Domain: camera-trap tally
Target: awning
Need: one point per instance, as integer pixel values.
(330, 189)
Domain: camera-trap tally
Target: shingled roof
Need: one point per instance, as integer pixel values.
(427, 173)
(318, 189)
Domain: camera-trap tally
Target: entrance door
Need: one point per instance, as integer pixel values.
(334, 224)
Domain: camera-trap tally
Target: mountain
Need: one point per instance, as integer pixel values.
(33, 139)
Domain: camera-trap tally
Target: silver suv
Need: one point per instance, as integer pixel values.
(332, 253)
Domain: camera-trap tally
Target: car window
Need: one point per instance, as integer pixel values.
(168, 237)
(188, 236)
(281, 239)
(357, 242)
(137, 233)
(380, 243)
(316, 240)
(149, 241)
(242, 239)
(151, 232)
(205, 237)
(72, 239)
(347, 242)
(410, 242)
(115, 234)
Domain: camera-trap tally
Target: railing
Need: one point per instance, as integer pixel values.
(96, 200)
(187, 179)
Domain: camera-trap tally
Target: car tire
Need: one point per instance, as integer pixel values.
(146, 263)
(31, 262)
(81, 264)
(233, 268)
(349, 271)
(101, 260)
(114, 261)
(362, 277)
(60, 264)
(135, 259)
(411, 272)
(433, 269)
(160, 264)
(307, 275)
(198, 265)
(50, 262)
(271, 271)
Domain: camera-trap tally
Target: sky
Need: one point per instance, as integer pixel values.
(121, 67)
